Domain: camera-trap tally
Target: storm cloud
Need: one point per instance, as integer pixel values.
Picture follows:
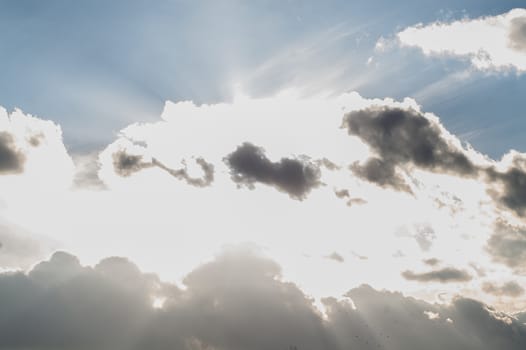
(404, 137)
(237, 301)
(445, 275)
(296, 177)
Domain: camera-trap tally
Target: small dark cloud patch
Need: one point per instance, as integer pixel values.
(336, 257)
(36, 139)
(507, 245)
(127, 164)
(343, 193)
(381, 173)
(402, 137)
(445, 275)
(517, 35)
(510, 189)
(296, 177)
(11, 159)
(510, 289)
(431, 261)
(182, 174)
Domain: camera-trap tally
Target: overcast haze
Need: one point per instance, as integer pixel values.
(262, 175)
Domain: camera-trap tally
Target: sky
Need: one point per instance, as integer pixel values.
(262, 175)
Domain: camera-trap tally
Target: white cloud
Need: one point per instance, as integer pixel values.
(166, 225)
(490, 43)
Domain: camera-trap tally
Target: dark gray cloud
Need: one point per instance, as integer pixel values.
(511, 289)
(401, 137)
(507, 245)
(381, 173)
(11, 159)
(517, 36)
(248, 165)
(445, 275)
(126, 164)
(508, 188)
(238, 301)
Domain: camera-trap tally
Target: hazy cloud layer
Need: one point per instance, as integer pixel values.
(20, 249)
(238, 301)
(507, 245)
(511, 289)
(445, 275)
(249, 164)
(469, 38)
(404, 137)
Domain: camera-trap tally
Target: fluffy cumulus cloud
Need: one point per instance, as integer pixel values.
(161, 188)
(32, 154)
(236, 301)
(492, 42)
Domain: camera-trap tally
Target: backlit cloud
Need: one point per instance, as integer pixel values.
(489, 43)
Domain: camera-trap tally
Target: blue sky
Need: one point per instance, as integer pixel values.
(96, 66)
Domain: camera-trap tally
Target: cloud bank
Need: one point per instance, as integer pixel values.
(236, 301)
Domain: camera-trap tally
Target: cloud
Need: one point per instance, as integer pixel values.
(507, 244)
(11, 159)
(296, 177)
(518, 33)
(431, 261)
(126, 163)
(336, 257)
(19, 249)
(445, 275)
(236, 301)
(508, 186)
(489, 43)
(404, 137)
(511, 289)
(32, 152)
